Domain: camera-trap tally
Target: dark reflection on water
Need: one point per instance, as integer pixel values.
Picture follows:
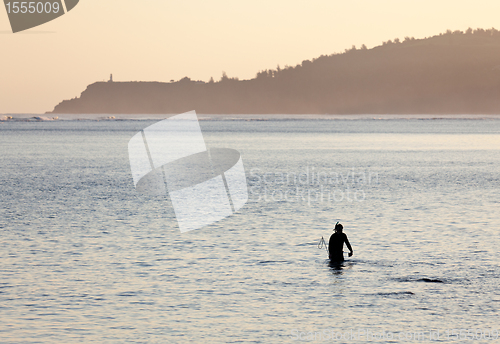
(340, 267)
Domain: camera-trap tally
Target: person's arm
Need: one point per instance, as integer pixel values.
(348, 246)
(330, 242)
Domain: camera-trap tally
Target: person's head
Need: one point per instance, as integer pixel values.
(338, 228)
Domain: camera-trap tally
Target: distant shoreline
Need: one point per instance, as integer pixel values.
(251, 117)
(451, 73)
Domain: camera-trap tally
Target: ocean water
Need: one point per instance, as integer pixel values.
(85, 259)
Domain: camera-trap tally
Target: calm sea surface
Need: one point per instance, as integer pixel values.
(85, 259)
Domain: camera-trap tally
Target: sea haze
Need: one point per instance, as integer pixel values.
(85, 259)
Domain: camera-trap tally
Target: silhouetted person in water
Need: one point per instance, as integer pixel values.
(336, 244)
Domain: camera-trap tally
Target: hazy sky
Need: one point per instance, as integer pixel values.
(160, 40)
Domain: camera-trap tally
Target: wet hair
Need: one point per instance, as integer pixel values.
(338, 227)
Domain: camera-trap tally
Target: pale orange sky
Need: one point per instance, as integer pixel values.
(159, 40)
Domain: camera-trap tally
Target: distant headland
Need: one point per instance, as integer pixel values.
(451, 73)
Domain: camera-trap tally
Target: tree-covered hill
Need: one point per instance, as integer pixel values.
(451, 73)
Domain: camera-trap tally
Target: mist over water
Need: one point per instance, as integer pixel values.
(84, 258)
